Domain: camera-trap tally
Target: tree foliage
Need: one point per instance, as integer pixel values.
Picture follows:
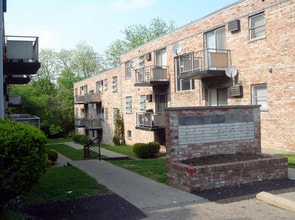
(135, 35)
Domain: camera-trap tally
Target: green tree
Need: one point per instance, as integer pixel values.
(85, 61)
(135, 35)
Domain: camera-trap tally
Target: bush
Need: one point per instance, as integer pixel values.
(82, 139)
(22, 158)
(149, 150)
(52, 155)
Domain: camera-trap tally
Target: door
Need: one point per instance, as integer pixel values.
(215, 43)
(161, 103)
(217, 97)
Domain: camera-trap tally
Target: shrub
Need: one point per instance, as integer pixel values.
(52, 155)
(22, 158)
(146, 150)
(82, 139)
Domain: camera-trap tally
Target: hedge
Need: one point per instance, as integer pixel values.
(146, 150)
(22, 158)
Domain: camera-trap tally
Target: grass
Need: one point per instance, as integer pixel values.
(70, 152)
(123, 149)
(291, 159)
(59, 140)
(154, 169)
(61, 183)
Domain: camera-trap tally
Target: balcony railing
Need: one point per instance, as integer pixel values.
(93, 124)
(150, 121)
(27, 118)
(204, 63)
(87, 98)
(79, 122)
(14, 100)
(20, 55)
(92, 97)
(152, 75)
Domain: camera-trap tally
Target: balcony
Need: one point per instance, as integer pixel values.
(79, 99)
(79, 122)
(92, 98)
(14, 100)
(93, 124)
(149, 121)
(87, 98)
(20, 55)
(205, 63)
(27, 118)
(152, 76)
(18, 79)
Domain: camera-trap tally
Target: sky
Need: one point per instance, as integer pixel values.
(62, 24)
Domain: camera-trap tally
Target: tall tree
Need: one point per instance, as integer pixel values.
(85, 61)
(135, 35)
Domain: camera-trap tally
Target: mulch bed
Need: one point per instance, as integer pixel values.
(106, 206)
(223, 158)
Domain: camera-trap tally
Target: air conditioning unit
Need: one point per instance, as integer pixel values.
(234, 26)
(236, 91)
(148, 56)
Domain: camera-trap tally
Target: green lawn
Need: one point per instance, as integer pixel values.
(60, 183)
(124, 149)
(70, 152)
(59, 140)
(151, 168)
(291, 159)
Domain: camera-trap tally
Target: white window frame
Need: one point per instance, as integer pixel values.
(142, 102)
(180, 82)
(99, 86)
(128, 69)
(259, 95)
(105, 84)
(257, 31)
(128, 104)
(115, 84)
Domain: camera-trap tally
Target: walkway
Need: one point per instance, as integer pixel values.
(160, 201)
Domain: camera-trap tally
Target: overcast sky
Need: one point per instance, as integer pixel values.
(62, 24)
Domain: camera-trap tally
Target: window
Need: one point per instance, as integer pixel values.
(128, 104)
(217, 97)
(216, 39)
(142, 102)
(257, 26)
(259, 95)
(182, 84)
(115, 112)
(115, 86)
(106, 114)
(99, 85)
(105, 84)
(129, 134)
(161, 58)
(128, 69)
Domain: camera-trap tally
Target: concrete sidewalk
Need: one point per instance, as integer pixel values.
(160, 201)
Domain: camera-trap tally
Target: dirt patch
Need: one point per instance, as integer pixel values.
(223, 158)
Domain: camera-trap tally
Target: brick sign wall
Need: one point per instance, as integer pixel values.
(201, 131)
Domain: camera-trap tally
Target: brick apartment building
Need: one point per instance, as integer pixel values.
(242, 54)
